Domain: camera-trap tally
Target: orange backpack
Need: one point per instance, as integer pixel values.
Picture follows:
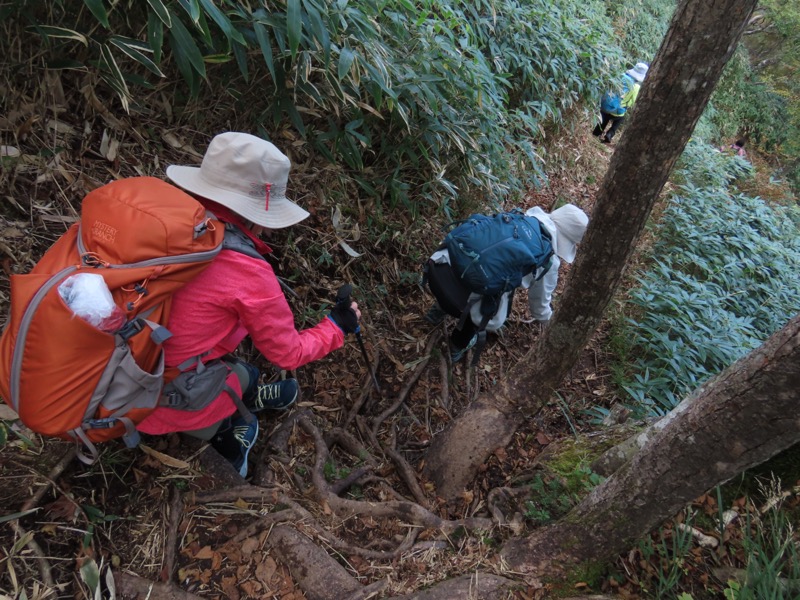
(67, 378)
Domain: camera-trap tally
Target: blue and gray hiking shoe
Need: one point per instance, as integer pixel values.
(456, 354)
(279, 395)
(234, 439)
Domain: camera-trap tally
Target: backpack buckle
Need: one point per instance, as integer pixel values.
(105, 423)
(130, 329)
(171, 399)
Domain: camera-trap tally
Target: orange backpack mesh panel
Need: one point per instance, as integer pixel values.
(63, 376)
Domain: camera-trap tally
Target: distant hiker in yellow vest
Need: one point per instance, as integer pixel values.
(615, 104)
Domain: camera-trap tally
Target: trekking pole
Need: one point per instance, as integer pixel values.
(343, 299)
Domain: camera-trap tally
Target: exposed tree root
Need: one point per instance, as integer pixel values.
(339, 437)
(505, 495)
(478, 585)
(319, 575)
(265, 521)
(404, 511)
(406, 472)
(401, 397)
(131, 586)
(221, 471)
(278, 442)
(342, 485)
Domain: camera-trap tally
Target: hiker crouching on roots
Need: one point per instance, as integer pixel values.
(531, 260)
(242, 183)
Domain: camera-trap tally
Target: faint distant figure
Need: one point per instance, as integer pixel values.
(615, 104)
(738, 147)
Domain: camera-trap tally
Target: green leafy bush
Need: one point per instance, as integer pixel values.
(427, 101)
(772, 559)
(553, 496)
(723, 278)
(641, 26)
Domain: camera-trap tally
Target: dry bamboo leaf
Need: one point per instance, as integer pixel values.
(109, 146)
(265, 570)
(706, 541)
(52, 81)
(171, 139)
(320, 407)
(69, 177)
(64, 219)
(164, 458)
(60, 127)
(7, 413)
(205, 553)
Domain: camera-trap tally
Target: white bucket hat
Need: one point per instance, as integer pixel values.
(571, 223)
(245, 174)
(638, 72)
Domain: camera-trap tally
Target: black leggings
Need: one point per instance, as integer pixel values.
(461, 337)
(615, 123)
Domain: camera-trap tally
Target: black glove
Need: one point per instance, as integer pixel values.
(341, 314)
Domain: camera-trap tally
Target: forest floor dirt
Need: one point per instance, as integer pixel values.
(154, 512)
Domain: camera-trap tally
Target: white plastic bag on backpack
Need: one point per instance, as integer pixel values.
(88, 296)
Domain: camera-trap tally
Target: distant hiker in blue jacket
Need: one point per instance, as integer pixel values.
(615, 104)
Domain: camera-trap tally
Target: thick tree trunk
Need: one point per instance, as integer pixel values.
(735, 421)
(700, 40)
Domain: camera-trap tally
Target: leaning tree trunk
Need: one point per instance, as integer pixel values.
(735, 421)
(700, 40)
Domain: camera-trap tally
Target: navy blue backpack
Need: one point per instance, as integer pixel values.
(489, 255)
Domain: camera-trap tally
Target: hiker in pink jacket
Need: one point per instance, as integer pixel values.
(242, 182)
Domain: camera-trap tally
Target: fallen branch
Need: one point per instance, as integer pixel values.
(45, 570)
(366, 390)
(36, 550)
(54, 474)
(444, 376)
(171, 543)
(267, 495)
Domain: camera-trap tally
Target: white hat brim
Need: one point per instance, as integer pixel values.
(635, 76)
(282, 212)
(565, 249)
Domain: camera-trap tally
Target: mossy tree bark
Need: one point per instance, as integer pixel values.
(698, 44)
(735, 421)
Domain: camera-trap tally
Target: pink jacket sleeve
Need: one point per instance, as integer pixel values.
(265, 314)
